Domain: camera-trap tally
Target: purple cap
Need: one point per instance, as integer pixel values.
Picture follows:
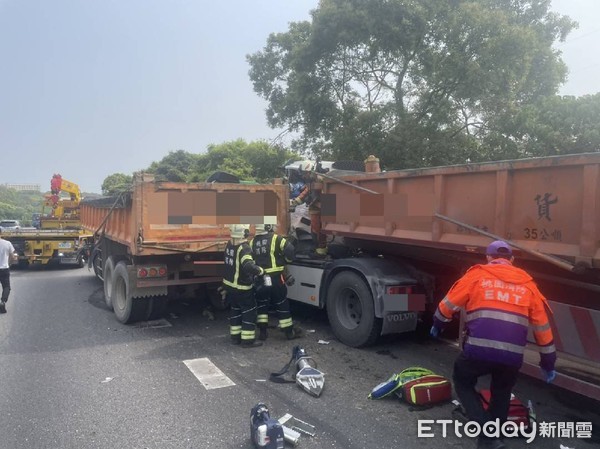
(498, 248)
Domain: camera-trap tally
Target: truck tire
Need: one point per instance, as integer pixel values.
(351, 311)
(95, 263)
(108, 278)
(127, 309)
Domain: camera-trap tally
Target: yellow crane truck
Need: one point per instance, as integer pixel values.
(60, 239)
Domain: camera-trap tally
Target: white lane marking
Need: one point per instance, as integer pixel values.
(208, 374)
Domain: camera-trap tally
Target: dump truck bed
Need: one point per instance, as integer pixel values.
(549, 204)
(166, 217)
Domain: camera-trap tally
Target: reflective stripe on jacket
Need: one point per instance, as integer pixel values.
(501, 302)
(271, 251)
(240, 267)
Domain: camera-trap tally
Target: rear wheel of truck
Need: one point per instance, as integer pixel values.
(127, 309)
(108, 278)
(351, 311)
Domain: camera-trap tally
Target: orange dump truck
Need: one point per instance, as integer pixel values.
(399, 240)
(164, 234)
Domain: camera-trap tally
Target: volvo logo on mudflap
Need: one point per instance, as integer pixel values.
(396, 317)
(398, 322)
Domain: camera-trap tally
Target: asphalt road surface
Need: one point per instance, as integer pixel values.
(71, 376)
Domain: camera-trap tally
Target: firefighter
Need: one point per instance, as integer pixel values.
(240, 272)
(501, 301)
(272, 252)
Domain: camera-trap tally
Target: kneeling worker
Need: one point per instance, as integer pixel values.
(240, 271)
(272, 252)
(501, 301)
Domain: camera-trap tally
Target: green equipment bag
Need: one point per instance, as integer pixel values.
(414, 372)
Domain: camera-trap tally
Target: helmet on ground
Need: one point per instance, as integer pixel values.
(239, 231)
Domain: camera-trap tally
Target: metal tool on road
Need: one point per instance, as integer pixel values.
(266, 432)
(306, 375)
(291, 422)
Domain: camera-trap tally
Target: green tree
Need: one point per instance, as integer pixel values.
(116, 183)
(177, 166)
(419, 83)
(560, 125)
(17, 205)
(255, 161)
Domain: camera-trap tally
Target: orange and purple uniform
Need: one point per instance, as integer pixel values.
(501, 302)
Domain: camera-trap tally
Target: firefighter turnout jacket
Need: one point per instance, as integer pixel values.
(240, 267)
(272, 252)
(501, 302)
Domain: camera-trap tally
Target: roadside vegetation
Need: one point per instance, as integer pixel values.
(16, 205)
(418, 84)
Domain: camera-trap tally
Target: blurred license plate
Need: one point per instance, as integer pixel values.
(63, 245)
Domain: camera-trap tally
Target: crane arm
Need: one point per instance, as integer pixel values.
(59, 184)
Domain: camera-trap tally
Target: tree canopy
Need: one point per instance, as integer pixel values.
(16, 205)
(418, 83)
(116, 183)
(256, 161)
(21, 205)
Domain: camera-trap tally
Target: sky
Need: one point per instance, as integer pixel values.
(89, 88)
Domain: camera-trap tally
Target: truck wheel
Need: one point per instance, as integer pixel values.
(95, 262)
(351, 311)
(127, 309)
(108, 278)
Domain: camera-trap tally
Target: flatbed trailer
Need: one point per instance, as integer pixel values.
(42, 247)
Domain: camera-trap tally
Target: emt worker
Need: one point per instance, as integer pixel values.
(501, 301)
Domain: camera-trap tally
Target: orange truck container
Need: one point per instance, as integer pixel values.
(164, 234)
(431, 224)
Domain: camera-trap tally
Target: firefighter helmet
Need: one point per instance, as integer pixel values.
(239, 231)
(262, 228)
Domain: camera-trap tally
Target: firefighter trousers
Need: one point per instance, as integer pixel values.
(242, 317)
(275, 296)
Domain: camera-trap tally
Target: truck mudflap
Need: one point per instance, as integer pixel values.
(399, 322)
(401, 312)
(139, 291)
